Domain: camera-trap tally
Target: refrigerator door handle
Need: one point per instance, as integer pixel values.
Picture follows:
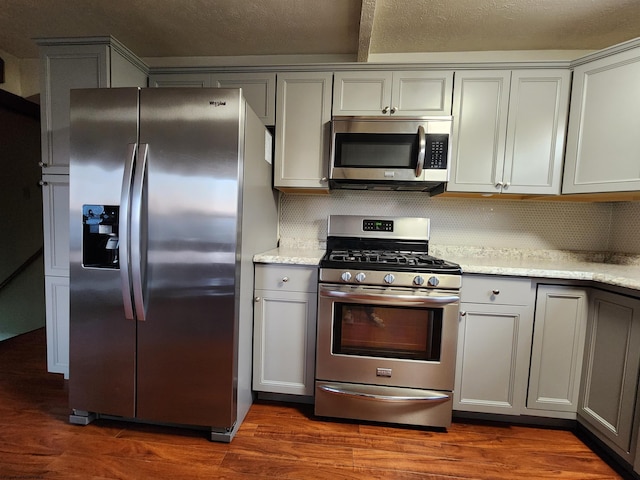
(123, 226)
(138, 266)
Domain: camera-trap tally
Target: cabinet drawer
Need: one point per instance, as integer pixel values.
(286, 278)
(495, 289)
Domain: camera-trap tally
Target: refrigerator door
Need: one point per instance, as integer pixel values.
(103, 134)
(189, 228)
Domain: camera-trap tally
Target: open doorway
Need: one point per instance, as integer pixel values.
(22, 306)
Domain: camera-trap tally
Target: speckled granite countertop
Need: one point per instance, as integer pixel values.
(618, 270)
(608, 269)
(290, 256)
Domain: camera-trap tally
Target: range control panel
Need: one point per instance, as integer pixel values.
(377, 225)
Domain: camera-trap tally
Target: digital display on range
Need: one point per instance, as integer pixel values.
(377, 225)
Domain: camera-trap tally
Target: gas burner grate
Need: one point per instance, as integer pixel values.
(393, 257)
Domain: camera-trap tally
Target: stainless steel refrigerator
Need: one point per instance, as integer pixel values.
(170, 197)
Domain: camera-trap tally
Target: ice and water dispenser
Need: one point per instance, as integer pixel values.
(100, 239)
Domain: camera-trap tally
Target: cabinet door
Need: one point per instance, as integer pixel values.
(362, 93)
(536, 127)
(194, 80)
(64, 68)
(494, 343)
(57, 310)
(558, 344)
(284, 342)
(55, 206)
(480, 106)
(258, 88)
(603, 145)
(610, 375)
(303, 111)
(421, 93)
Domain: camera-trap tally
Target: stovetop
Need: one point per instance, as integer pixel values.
(387, 257)
(365, 250)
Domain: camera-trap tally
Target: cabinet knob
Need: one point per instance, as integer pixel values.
(257, 299)
(463, 313)
(285, 279)
(499, 185)
(506, 185)
(324, 179)
(42, 183)
(495, 292)
(394, 110)
(385, 110)
(42, 164)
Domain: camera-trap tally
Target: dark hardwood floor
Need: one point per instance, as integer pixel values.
(276, 440)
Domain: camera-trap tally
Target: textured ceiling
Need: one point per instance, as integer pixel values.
(175, 28)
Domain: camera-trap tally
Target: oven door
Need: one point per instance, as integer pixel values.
(397, 337)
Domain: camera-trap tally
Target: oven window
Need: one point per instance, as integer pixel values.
(367, 150)
(390, 332)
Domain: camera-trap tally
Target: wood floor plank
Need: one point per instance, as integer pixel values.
(276, 441)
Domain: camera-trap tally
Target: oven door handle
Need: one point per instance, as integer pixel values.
(431, 397)
(385, 299)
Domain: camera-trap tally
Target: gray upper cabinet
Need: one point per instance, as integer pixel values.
(384, 93)
(194, 80)
(603, 141)
(303, 110)
(77, 63)
(509, 131)
(258, 88)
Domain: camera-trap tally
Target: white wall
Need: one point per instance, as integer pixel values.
(495, 223)
(21, 75)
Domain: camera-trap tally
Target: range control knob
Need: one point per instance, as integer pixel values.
(418, 280)
(360, 277)
(346, 276)
(433, 281)
(389, 278)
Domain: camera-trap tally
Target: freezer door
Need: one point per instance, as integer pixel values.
(103, 134)
(187, 341)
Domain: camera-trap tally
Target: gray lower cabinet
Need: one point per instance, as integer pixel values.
(559, 330)
(285, 305)
(494, 344)
(608, 395)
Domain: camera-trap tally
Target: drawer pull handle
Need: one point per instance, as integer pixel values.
(495, 292)
(285, 279)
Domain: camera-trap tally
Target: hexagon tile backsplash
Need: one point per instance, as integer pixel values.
(539, 225)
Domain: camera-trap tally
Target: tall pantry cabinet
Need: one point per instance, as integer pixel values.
(66, 64)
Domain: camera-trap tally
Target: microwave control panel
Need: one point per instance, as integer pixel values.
(437, 150)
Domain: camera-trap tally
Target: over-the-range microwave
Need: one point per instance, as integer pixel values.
(378, 153)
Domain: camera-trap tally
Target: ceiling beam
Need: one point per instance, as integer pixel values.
(367, 14)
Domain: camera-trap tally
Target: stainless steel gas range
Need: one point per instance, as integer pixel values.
(387, 323)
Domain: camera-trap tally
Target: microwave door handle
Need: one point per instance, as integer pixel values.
(422, 150)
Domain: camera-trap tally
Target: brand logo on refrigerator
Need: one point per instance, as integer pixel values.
(217, 103)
